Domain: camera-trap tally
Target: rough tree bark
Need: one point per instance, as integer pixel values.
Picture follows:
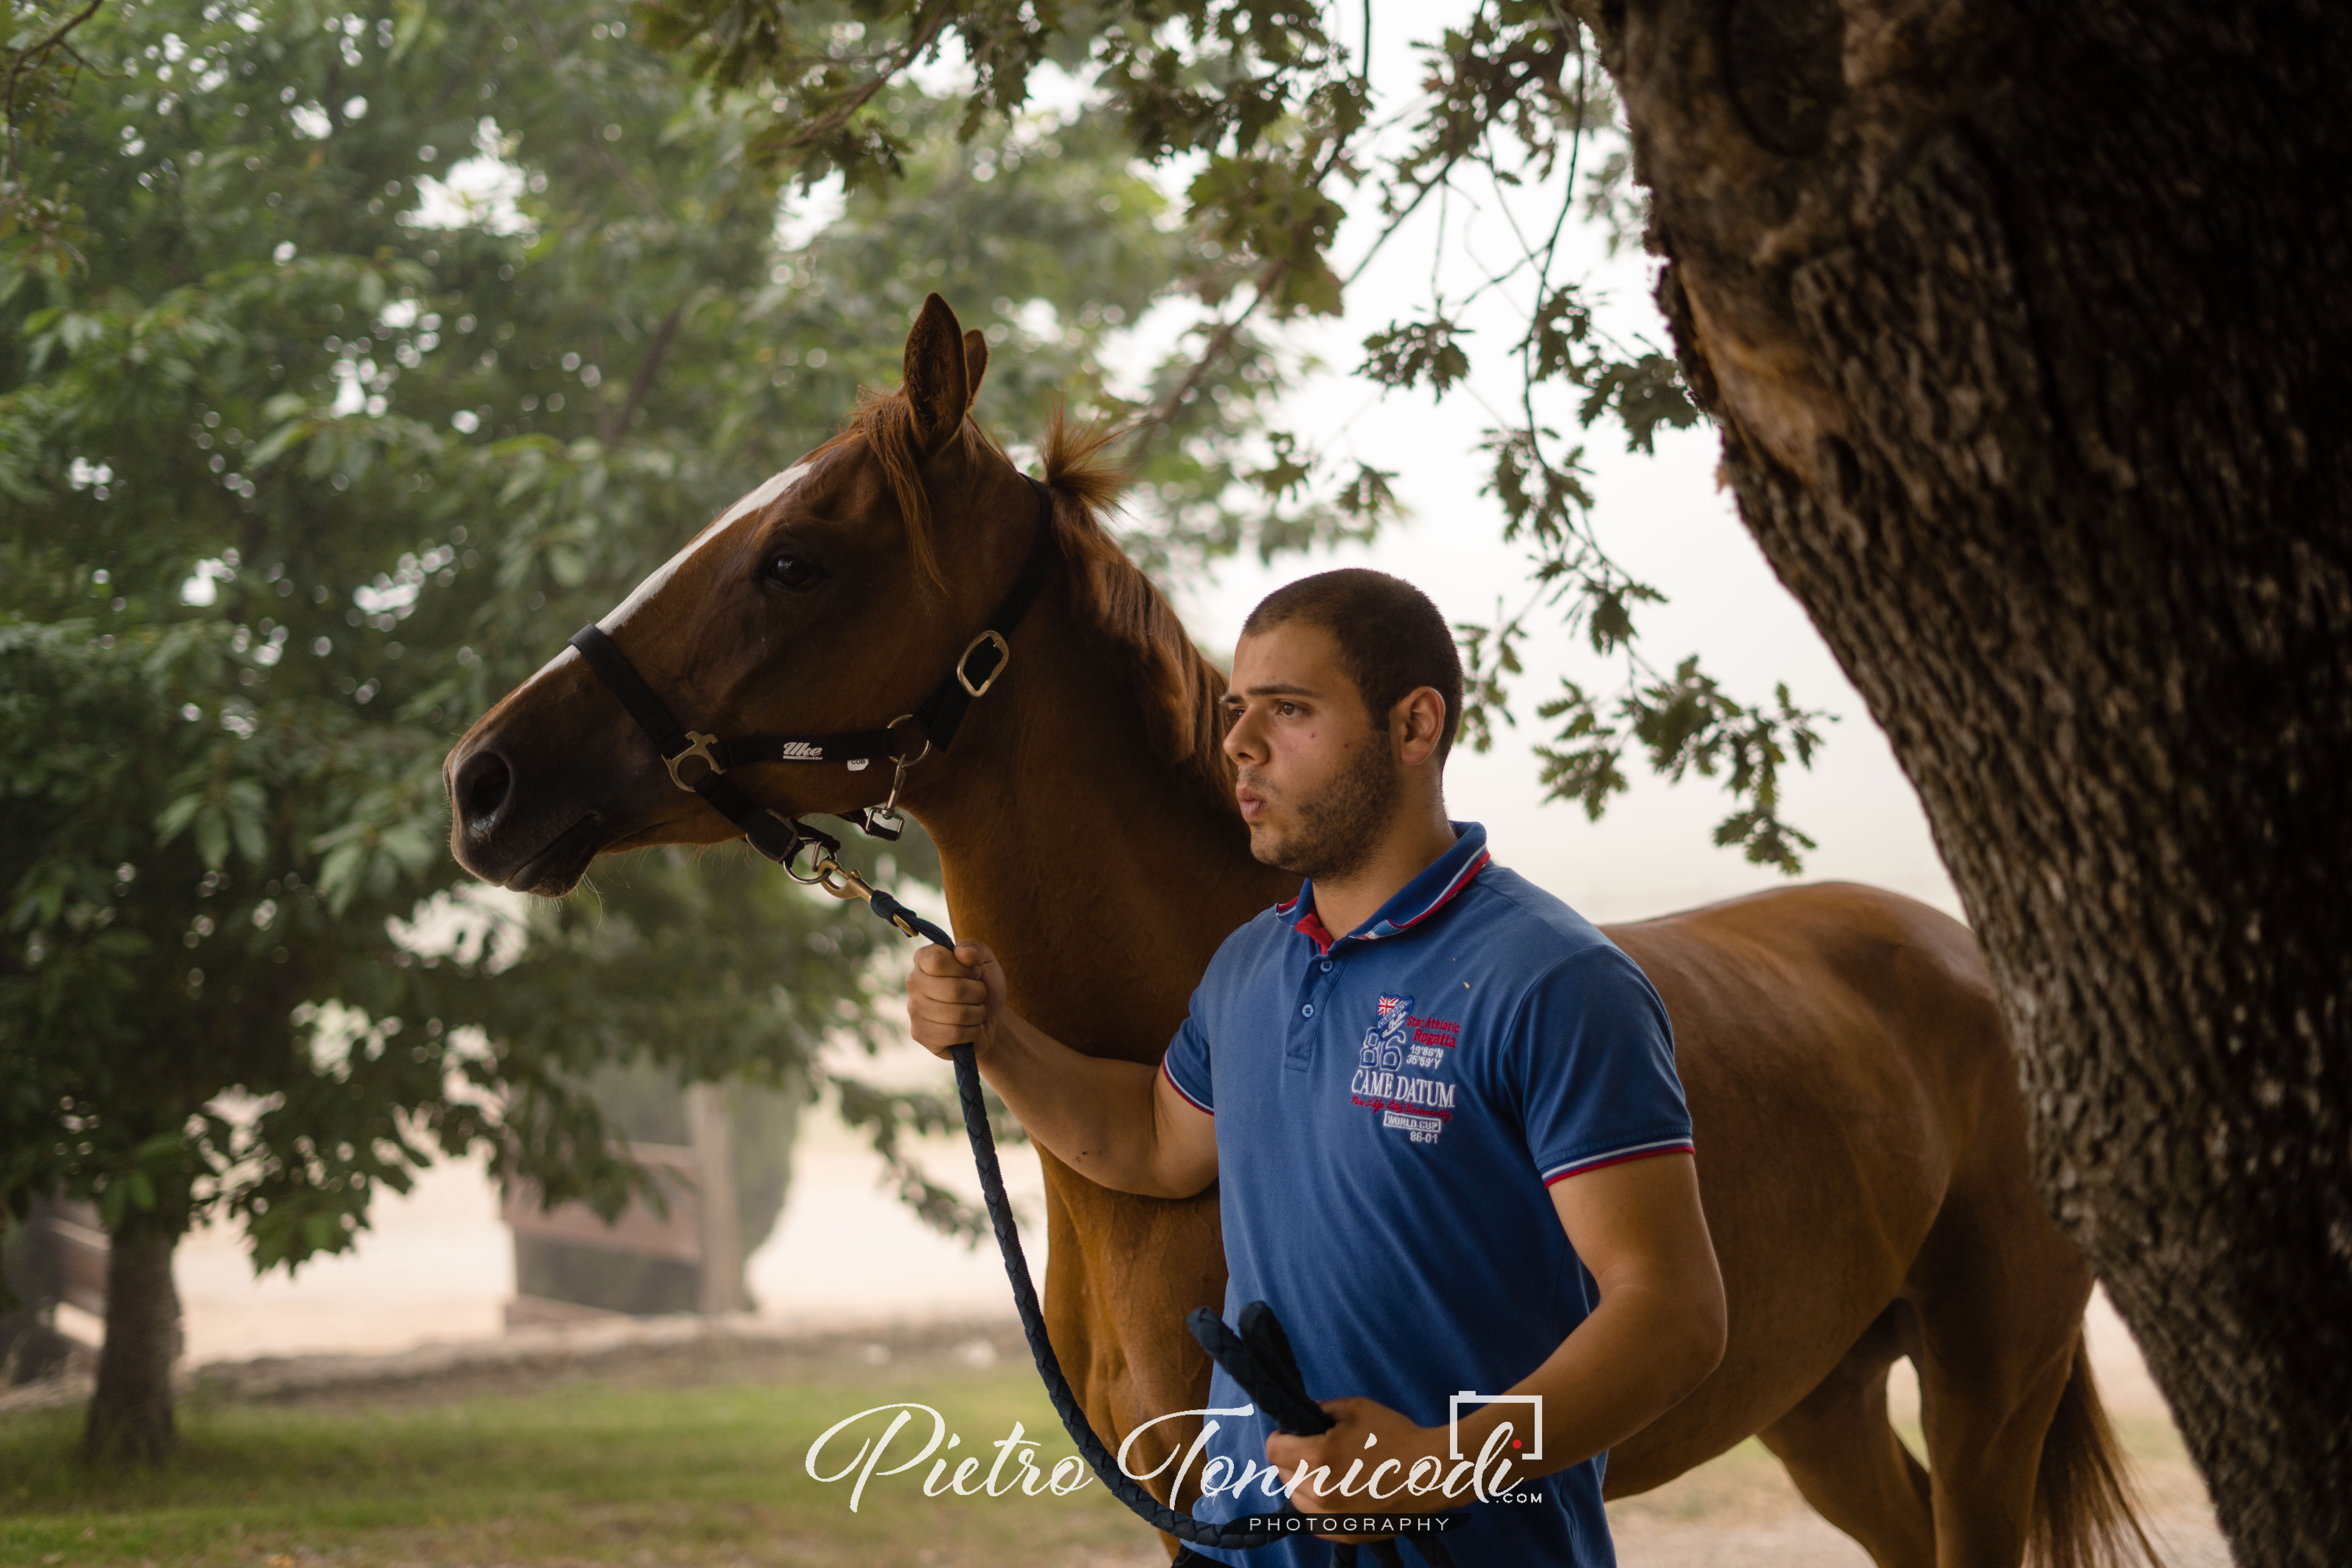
(2028, 329)
(131, 1410)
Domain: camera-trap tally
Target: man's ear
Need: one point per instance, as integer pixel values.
(975, 364)
(1418, 722)
(938, 387)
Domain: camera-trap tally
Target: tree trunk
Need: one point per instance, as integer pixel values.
(710, 1123)
(131, 1412)
(2030, 336)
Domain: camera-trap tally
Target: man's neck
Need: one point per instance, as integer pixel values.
(1413, 844)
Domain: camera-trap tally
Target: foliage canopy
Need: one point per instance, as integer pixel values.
(347, 362)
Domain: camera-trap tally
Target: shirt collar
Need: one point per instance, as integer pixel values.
(1414, 902)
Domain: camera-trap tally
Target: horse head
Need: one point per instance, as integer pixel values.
(831, 598)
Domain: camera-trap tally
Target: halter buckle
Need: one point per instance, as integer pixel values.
(700, 748)
(1003, 658)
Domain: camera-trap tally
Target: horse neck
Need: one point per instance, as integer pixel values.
(1099, 874)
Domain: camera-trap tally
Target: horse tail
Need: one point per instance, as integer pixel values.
(2086, 1512)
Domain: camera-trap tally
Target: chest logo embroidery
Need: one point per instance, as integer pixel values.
(1408, 1102)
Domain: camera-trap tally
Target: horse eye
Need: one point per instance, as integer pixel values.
(795, 573)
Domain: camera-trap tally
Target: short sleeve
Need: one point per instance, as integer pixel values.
(1594, 1056)
(1187, 1063)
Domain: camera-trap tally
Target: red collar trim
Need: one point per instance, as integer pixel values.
(1311, 924)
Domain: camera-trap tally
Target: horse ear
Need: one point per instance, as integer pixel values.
(975, 361)
(938, 388)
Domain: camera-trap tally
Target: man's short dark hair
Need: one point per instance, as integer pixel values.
(1392, 639)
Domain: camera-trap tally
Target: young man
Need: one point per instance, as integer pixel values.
(1443, 1107)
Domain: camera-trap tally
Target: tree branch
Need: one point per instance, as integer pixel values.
(15, 72)
(1164, 411)
(643, 382)
(920, 36)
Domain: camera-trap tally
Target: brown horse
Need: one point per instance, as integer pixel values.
(1861, 1137)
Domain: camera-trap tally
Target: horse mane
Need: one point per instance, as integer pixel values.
(1129, 623)
(1124, 620)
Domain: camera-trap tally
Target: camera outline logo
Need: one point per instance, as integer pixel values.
(1534, 1402)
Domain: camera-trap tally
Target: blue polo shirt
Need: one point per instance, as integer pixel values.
(1391, 1107)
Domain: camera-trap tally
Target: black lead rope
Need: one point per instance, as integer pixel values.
(1259, 1358)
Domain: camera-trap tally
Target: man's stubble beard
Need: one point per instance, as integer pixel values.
(1339, 828)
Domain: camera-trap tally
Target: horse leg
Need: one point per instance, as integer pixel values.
(1845, 1458)
(2001, 1297)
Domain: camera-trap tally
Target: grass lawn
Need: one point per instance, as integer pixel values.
(585, 1472)
(703, 1465)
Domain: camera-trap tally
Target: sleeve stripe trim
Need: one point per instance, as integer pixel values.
(1178, 1088)
(1614, 1157)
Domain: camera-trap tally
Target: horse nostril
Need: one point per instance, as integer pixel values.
(483, 782)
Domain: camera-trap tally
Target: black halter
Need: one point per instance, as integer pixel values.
(936, 720)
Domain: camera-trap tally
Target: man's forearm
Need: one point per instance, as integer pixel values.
(1095, 1114)
(1633, 1359)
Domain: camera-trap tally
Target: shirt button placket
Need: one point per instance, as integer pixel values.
(1319, 980)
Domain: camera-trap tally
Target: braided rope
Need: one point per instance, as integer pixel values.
(1259, 1359)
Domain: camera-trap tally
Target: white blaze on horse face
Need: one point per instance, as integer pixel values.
(551, 667)
(757, 502)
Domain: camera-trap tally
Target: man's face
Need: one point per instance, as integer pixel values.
(1317, 780)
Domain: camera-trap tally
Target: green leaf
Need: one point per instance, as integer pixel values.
(246, 808)
(1285, 474)
(212, 836)
(162, 1149)
(275, 444)
(339, 874)
(1563, 322)
(1644, 394)
(173, 819)
(1410, 352)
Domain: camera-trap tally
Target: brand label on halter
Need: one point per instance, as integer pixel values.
(799, 752)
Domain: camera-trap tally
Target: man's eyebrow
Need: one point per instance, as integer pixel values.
(1275, 689)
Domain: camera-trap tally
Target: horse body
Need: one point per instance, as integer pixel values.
(1846, 1069)
(1860, 1134)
